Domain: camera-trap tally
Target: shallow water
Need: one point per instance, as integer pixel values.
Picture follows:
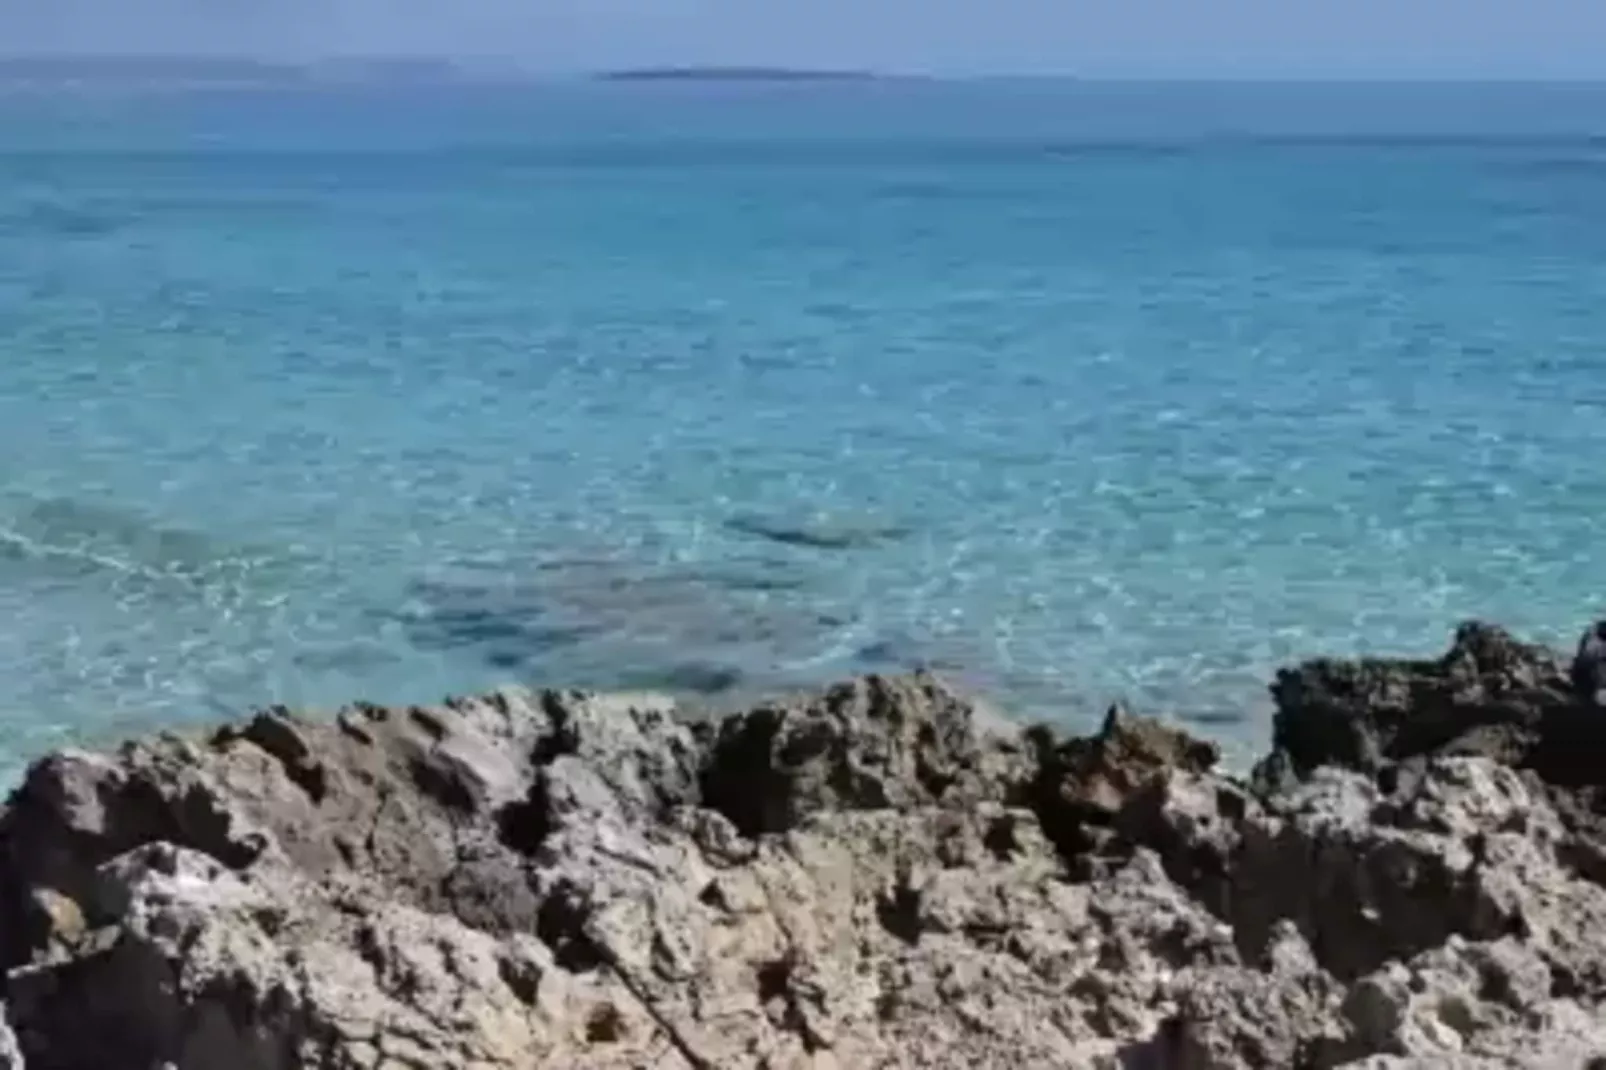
(1076, 392)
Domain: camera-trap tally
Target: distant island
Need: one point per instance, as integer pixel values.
(735, 74)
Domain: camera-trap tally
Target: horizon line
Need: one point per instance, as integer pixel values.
(484, 66)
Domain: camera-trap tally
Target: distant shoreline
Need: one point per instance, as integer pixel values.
(151, 71)
(735, 74)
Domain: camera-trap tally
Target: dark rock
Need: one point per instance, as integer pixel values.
(1489, 695)
(876, 743)
(1081, 786)
(1589, 666)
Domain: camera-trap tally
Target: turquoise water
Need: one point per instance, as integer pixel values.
(1075, 391)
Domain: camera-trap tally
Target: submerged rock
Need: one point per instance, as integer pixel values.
(877, 875)
(690, 630)
(818, 532)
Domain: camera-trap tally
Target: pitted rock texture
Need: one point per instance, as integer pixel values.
(880, 875)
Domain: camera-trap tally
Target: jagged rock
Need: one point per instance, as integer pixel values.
(1081, 785)
(1489, 695)
(1097, 775)
(1274, 1013)
(1476, 1005)
(519, 880)
(879, 875)
(873, 743)
(1467, 849)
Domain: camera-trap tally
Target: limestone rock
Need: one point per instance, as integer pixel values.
(874, 743)
(876, 875)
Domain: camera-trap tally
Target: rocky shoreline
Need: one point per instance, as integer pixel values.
(880, 875)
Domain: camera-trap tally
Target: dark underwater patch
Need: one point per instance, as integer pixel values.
(816, 534)
(704, 678)
(617, 624)
(884, 654)
(60, 221)
(512, 623)
(1214, 718)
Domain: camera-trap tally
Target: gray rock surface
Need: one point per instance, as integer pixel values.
(10, 1054)
(875, 876)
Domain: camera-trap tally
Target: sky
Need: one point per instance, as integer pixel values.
(1559, 39)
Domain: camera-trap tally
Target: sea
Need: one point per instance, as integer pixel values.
(1075, 392)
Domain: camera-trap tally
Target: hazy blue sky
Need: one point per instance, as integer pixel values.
(1496, 38)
